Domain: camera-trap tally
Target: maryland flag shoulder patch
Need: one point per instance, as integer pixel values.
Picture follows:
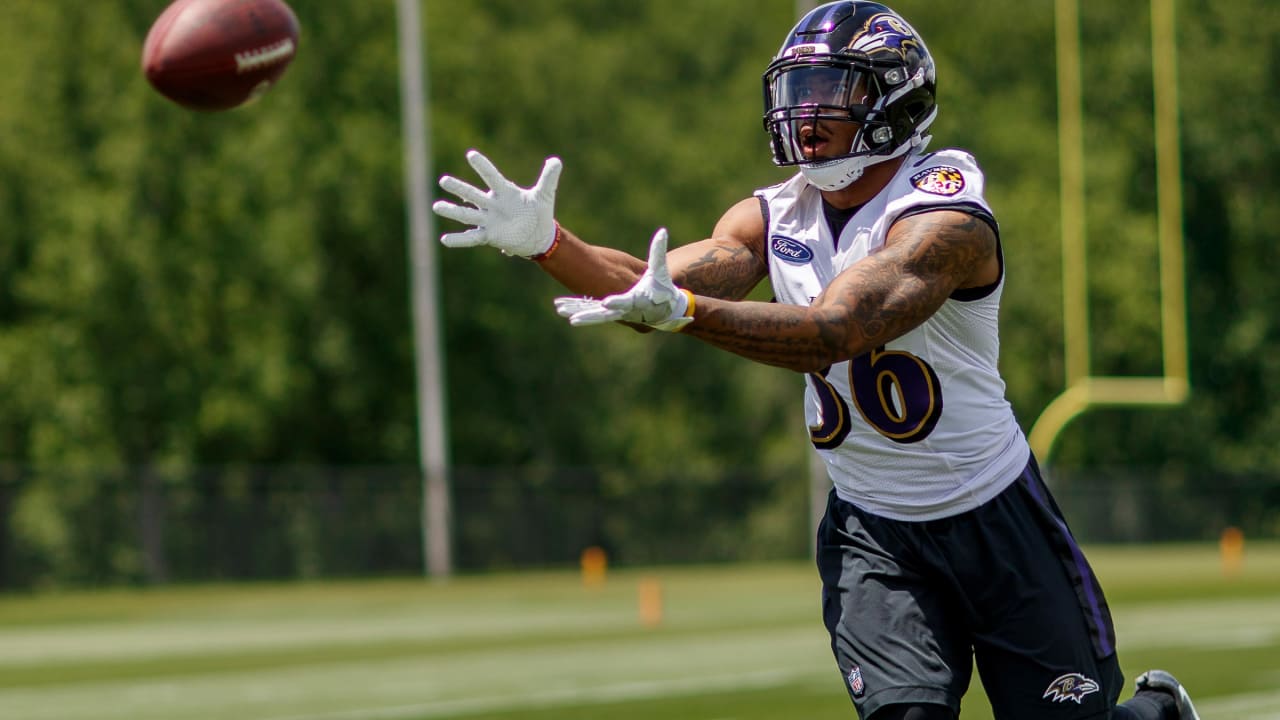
(939, 180)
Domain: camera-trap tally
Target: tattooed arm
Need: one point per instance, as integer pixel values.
(727, 265)
(926, 257)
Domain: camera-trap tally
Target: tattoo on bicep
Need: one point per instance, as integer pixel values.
(951, 247)
(875, 301)
(894, 291)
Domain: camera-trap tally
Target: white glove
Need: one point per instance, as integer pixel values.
(654, 300)
(515, 220)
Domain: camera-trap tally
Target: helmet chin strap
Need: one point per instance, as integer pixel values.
(834, 174)
(841, 173)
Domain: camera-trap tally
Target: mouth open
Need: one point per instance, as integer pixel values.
(813, 141)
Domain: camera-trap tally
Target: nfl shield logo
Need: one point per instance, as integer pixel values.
(855, 681)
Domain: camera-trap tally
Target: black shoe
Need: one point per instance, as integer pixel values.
(1161, 681)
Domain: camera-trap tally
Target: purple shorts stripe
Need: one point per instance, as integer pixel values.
(1087, 581)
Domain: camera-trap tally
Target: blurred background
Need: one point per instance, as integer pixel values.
(206, 337)
(207, 353)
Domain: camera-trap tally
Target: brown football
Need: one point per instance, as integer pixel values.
(215, 55)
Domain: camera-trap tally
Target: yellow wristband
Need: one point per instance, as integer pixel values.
(688, 311)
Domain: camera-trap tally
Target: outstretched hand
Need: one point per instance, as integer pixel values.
(517, 221)
(654, 300)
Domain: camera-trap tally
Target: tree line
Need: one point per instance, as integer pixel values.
(186, 296)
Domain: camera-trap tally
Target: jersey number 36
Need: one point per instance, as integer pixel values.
(895, 392)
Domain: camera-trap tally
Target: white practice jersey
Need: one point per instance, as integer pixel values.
(918, 429)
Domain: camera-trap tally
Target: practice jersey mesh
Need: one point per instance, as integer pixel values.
(919, 429)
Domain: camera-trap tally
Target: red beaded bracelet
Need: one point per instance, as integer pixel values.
(555, 244)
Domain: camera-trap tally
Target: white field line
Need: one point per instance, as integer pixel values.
(1245, 706)
(640, 666)
(158, 639)
(641, 690)
(231, 635)
(1217, 625)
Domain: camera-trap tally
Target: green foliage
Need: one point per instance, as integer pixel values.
(182, 290)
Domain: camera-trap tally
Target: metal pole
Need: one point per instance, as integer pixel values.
(432, 447)
(1169, 231)
(1075, 275)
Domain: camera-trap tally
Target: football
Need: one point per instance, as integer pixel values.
(213, 55)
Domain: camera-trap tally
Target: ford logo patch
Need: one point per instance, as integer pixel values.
(790, 250)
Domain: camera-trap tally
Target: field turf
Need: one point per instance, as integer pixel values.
(732, 643)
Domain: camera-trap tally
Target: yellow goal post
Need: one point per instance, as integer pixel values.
(1085, 390)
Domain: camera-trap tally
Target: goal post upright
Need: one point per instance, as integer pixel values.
(1084, 390)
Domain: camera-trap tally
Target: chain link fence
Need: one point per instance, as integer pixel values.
(146, 526)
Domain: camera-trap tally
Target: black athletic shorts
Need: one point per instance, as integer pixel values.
(911, 605)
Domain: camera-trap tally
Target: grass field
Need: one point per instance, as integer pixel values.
(733, 643)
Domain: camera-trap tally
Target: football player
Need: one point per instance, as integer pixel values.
(940, 543)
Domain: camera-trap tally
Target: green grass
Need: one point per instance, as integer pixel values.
(734, 643)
